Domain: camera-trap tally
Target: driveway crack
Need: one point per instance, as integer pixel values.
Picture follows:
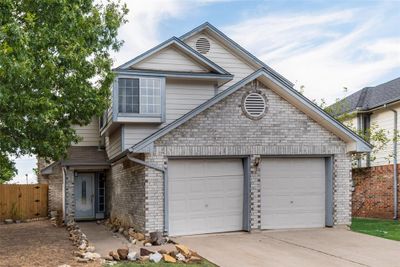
(317, 250)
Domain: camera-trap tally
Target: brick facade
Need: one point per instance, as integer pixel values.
(135, 194)
(373, 192)
(223, 130)
(125, 194)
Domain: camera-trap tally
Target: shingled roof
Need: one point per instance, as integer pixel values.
(369, 98)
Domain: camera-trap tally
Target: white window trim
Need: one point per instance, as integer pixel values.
(115, 99)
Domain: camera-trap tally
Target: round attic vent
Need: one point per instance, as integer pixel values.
(254, 105)
(202, 45)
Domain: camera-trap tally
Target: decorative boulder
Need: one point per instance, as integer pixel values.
(122, 253)
(168, 258)
(145, 252)
(183, 250)
(157, 238)
(156, 257)
(132, 256)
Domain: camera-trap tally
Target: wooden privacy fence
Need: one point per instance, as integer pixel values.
(21, 202)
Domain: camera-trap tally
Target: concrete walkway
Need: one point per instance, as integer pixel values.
(103, 239)
(316, 247)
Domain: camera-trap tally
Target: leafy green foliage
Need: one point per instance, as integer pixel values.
(378, 137)
(55, 72)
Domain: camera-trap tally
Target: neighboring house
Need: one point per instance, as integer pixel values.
(376, 188)
(204, 137)
(373, 106)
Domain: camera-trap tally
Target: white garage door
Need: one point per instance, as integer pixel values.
(205, 196)
(292, 193)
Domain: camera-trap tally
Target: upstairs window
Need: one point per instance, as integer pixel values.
(140, 96)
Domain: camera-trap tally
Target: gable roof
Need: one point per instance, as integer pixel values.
(236, 47)
(369, 98)
(300, 101)
(180, 45)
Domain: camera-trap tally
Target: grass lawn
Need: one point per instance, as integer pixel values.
(204, 263)
(389, 229)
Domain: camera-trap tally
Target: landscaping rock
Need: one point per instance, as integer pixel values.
(123, 253)
(180, 257)
(108, 258)
(139, 236)
(115, 256)
(144, 258)
(194, 259)
(82, 260)
(157, 238)
(168, 258)
(120, 230)
(184, 250)
(90, 249)
(8, 221)
(145, 252)
(91, 256)
(132, 240)
(162, 251)
(156, 257)
(83, 245)
(173, 253)
(132, 256)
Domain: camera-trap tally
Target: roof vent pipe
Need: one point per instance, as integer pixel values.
(395, 197)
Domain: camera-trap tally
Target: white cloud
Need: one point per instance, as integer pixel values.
(144, 19)
(324, 52)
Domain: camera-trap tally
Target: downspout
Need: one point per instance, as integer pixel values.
(165, 177)
(395, 197)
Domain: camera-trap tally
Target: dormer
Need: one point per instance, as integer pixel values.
(139, 88)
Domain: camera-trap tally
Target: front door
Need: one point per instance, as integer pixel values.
(84, 196)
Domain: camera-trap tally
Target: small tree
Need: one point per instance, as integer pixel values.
(55, 72)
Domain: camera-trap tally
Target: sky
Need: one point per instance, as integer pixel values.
(330, 48)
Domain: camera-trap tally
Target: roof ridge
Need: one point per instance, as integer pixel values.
(168, 42)
(237, 46)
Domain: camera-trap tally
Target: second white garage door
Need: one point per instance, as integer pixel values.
(205, 195)
(292, 193)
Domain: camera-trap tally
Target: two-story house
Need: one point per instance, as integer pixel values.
(203, 137)
(370, 111)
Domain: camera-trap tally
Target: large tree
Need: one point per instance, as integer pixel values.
(55, 72)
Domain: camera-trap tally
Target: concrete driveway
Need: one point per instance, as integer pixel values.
(315, 247)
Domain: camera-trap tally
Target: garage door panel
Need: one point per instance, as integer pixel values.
(294, 202)
(292, 193)
(288, 220)
(212, 192)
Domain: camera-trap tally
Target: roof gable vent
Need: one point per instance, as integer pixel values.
(254, 105)
(203, 45)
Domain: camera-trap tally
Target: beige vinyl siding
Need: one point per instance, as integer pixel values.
(384, 120)
(225, 58)
(135, 132)
(170, 59)
(89, 133)
(181, 97)
(113, 143)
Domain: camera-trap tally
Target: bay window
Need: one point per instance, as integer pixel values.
(140, 96)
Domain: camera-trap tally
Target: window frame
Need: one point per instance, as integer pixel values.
(151, 117)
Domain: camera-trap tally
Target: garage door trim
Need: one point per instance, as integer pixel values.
(246, 187)
(328, 181)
